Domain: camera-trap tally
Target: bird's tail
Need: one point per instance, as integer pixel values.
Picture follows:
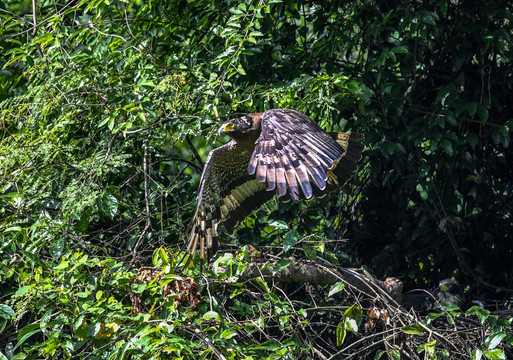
(345, 166)
(203, 232)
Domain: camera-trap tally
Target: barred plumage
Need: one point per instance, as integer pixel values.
(279, 151)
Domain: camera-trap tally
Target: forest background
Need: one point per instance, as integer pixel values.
(109, 108)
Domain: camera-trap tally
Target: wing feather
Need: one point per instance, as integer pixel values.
(313, 168)
(227, 195)
(271, 172)
(293, 152)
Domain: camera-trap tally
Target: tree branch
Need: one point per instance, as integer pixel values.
(308, 272)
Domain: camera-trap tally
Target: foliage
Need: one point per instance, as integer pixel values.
(108, 108)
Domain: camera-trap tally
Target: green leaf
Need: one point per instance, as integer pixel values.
(290, 239)
(83, 223)
(240, 70)
(483, 113)
(163, 256)
(429, 17)
(492, 341)
(310, 251)
(433, 316)
(93, 329)
(472, 108)
(447, 146)
(146, 83)
(401, 147)
(228, 334)
(283, 320)
(354, 312)
(6, 312)
(495, 354)
(443, 7)
(341, 333)
(413, 329)
(394, 354)
(428, 347)
(378, 354)
(63, 265)
(81, 330)
(279, 225)
(476, 354)
(155, 259)
(451, 120)
(56, 248)
(27, 332)
(261, 282)
(391, 147)
(11, 229)
(496, 136)
(237, 292)
(337, 287)
(271, 345)
(472, 139)
(212, 315)
(281, 264)
(365, 93)
(352, 325)
(22, 290)
(109, 205)
(449, 306)
(482, 314)
(399, 50)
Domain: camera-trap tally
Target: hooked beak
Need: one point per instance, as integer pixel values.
(226, 128)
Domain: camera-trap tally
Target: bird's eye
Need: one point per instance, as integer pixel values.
(229, 126)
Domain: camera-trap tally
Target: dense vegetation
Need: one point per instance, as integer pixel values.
(108, 109)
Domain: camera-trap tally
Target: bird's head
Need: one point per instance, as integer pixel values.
(449, 286)
(449, 290)
(242, 128)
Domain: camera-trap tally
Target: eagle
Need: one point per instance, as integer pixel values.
(447, 291)
(279, 151)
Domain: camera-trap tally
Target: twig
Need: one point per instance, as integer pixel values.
(162, 122)
(209, 343)
(189, 163)
(146, 198)
(34, 26)
(366, 338)
(109, 148)
(34, 17)
(193, 149)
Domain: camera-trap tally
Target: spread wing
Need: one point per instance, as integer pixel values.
(294, 152)
(227, 195)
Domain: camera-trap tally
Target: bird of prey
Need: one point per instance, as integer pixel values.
(447, 291)
(279, 151)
